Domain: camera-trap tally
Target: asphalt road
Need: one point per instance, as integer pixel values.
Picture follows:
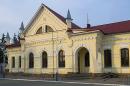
(43, 83)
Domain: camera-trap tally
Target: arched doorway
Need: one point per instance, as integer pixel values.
(83, 60)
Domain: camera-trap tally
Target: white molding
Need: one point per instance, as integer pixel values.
(60, 47)
(107, 47)
(124, 45)
(80, 46)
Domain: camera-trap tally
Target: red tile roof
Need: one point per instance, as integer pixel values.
(112, 28)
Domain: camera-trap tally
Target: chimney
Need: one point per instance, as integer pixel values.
(88, 22)
(88, 25)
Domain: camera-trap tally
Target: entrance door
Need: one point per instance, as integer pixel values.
(83, 60)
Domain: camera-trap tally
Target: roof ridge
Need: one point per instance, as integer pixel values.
(111, 23)
(116, 27)
(61, 17)
(53, 11)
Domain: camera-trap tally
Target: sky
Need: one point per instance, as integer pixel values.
(13, 12)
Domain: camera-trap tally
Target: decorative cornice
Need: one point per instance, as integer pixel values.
(84, 32)
(84, 38)
(45, 42)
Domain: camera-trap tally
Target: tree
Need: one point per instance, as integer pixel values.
(3, 39)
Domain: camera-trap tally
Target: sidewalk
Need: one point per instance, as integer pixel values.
(124, 81)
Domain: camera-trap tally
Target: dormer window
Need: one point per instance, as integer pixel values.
(39, 31)
(48, 29)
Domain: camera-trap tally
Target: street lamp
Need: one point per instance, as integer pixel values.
(55, 75)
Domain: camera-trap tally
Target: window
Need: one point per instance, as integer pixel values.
(1, 56)
(48, 29)
(44, 60)
(19, 61)
(107, 58)
(13, 62)
(87, 62)
(125, 57)
(31, 60)
(61, 58)
(6, 59)
(39, 31)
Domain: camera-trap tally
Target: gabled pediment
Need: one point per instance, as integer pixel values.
(46, 16)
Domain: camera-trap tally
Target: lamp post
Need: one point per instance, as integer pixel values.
(55, 74)
(56, 78)
(53, 54)
(57, 61)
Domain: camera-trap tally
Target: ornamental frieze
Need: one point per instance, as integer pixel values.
(83, 38)
(45, 42)
(117, 39)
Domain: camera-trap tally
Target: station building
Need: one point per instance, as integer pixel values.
(51, 43)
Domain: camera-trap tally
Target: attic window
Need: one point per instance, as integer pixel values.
(39, 31)
(48, 29)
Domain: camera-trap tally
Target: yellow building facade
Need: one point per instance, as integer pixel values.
(51, 43)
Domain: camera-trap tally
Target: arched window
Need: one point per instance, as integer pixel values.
(107, 58)
(48, 29)
(124, 57)
(44, 60)
(39, 31)
(61, 58)
(31, 60)
(87, 62)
